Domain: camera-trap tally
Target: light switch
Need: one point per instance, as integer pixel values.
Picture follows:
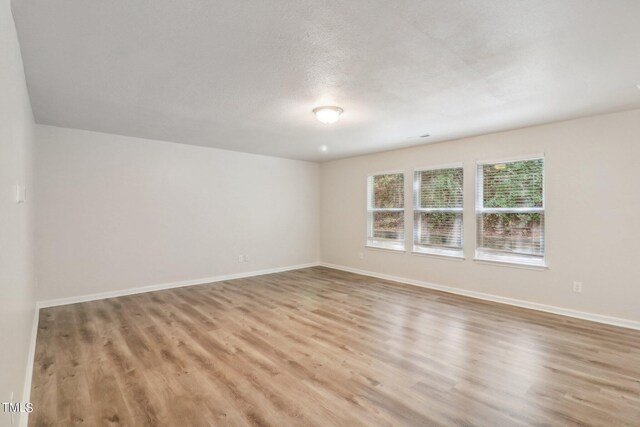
(20, 193)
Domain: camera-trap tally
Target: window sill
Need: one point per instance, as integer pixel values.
(440, 255)
(386, 249)
(512, 264)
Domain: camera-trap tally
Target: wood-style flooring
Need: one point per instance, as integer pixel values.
(320, 347)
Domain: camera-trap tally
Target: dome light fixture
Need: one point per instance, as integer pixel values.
(328, 114)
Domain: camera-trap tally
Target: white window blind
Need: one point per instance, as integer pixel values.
(510, 212)
(385, 211)
(437, 222)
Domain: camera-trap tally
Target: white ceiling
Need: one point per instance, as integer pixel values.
(245, 74)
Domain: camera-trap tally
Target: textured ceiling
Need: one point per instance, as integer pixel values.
(245, 74)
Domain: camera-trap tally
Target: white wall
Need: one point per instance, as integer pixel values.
(593, 204)
(117, 212)
(17, 300)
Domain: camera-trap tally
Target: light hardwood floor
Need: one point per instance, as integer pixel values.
(327, 348)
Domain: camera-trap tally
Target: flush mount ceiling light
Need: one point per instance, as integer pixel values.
(328, 114)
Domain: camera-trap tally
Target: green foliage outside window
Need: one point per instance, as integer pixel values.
(388, 193)
(441, 188)
(513, 185)
(445, 188)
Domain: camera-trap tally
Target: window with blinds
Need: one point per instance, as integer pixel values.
(385, 211)
(510, 212)
(437, 225)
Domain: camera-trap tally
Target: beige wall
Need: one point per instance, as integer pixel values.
(17, 300)
(593, 206)
(116, 212)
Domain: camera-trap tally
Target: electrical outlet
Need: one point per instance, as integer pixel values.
(577, 287)
(240, 258)
(361, 255)
(246, 258)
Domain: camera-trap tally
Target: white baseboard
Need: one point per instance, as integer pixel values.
(151, 288)
(615, 321)
(26, 393)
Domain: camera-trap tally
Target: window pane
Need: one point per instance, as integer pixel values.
(388, 225)
(513, 184)
(439, 229)
(520, 233)
(388, 191)
(441, 188)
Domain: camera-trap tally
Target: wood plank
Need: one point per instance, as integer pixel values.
(324, 347)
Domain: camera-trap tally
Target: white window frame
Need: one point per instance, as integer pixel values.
(435, 250)
(379, 242)
(484, 255)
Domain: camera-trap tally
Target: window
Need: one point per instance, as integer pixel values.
(437, 225)
(385, 211)
(510, 211)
